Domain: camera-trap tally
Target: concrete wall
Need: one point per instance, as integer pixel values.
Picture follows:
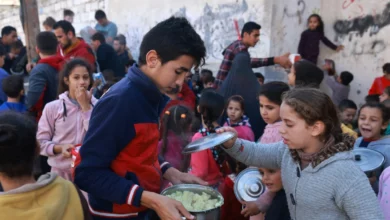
(212, 19)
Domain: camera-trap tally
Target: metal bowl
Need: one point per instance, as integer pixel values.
(210, 214)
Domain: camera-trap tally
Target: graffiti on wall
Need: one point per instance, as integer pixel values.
(372, 23)
(372, 48)
(295, 13)
(217, 26)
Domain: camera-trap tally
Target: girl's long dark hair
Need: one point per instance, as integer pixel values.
(177, 119)
(320, 27)
(67, 70)
(211, 107)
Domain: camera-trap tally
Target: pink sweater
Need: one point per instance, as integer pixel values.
(384, 192)
(56, 128)
(271, 133)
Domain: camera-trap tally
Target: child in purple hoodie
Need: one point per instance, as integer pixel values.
(64, 122)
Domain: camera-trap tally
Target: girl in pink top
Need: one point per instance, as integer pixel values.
(384, 192)
(209, 164)
(270, 99)
(64, 122)
(236, 118)
(176, 134)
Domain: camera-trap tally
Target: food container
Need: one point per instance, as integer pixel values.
(208, 142)
(248, 185)
(368, 160)
(211, 214)
(294, 58)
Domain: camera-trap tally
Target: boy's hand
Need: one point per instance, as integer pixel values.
(340, 48)
(165, 207)
(177, 177)
(283, 60)
(228, 144)
(250, 209)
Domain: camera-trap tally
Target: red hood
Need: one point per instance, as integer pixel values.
(80, 44)
(55, 61)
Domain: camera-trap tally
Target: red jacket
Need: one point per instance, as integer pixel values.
(80, 50)
(379, 84)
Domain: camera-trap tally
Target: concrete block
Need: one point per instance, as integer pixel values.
(57, 6)
(94, 6)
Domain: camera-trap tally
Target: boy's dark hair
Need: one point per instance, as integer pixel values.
(108, 85)
(68, 12)
(99, 37)
(3, 52)
(100, 14)
(66, 26)
(320, 27)
(386, 68)
(67, 70)
(274, 91)
(12, 86)
(372, 98)
(7, 30)
(346, 78)
(49, 21)
(259, 76)
(130, 63)
(17, 45)
(206, 72)
(249, 27)
(386, 103)
(121, 38)
(18, 144)
(209, 79)
(385, 111)
(307, 74)
(108, 74)
(47, 43)
(171, 39)
(387, 90)
(345, 104)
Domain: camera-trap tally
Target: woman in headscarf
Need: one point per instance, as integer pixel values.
(242, 81)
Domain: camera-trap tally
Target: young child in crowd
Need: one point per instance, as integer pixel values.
(305, 74)
(339, 84)
(384, 192)
(65, 121)
(13, 87)
(3, 73)
(209, 164)
(24, 197)
(309, 45)
(208, 82)
(270, 99)
(372, 98)
(373, 120)
(278, 210)
(315, 155)
(386, 103)
(381, 83)
(347, 109)
(176, 134)
(236, 118)
(385, 95)
(235, 111)
(260, 78)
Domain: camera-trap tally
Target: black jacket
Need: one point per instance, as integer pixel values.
(279, 208)
(107, 58)
(309, 45)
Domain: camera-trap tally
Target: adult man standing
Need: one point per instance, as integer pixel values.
(250, 35)
(106, 27)
(106, 56)
(120, 168)
(8, 36)
(69, 45)
(120, 48)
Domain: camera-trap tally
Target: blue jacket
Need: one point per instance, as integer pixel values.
(119, 156)
(17, 107)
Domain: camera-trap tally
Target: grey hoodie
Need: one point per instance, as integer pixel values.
(334, 189)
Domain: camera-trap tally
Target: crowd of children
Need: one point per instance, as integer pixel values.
(304, 153)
